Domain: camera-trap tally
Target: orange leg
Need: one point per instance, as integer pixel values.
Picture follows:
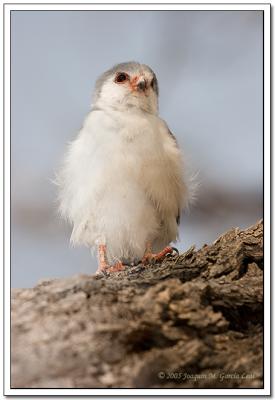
(103, 265)
(149, 256)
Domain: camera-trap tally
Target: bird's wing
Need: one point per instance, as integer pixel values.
(172, 136)
(163, 181)
(176, 142)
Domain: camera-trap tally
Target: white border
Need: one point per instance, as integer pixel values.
(7, 199)
(141, 6)
(267, 195)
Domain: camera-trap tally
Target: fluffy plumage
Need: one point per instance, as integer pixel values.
(121, 183)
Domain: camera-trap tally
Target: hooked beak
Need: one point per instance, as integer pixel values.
(138, 83)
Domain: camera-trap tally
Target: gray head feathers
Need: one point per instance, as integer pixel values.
(128, 67)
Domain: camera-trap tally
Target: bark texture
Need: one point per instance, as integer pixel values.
(193, 321)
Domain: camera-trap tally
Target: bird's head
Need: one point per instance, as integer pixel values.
(128, 85)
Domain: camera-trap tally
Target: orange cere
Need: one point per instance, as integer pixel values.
(133, 82)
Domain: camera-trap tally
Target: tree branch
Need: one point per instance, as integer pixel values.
(194, 321)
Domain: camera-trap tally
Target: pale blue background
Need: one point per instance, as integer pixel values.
(209, 66)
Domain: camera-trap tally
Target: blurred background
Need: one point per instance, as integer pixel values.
(209, 67)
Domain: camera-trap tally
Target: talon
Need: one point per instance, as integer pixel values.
(161, 255)
(175, 250)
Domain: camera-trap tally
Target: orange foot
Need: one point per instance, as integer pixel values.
(150, 257)
(116, 267)
(106, 269)
(103, 266)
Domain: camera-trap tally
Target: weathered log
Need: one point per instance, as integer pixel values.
(193, 321)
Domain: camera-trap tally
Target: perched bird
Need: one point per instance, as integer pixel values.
(121, 184)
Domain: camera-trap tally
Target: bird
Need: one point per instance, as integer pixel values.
(122, 183)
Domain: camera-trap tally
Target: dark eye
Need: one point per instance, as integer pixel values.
(121, 77)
